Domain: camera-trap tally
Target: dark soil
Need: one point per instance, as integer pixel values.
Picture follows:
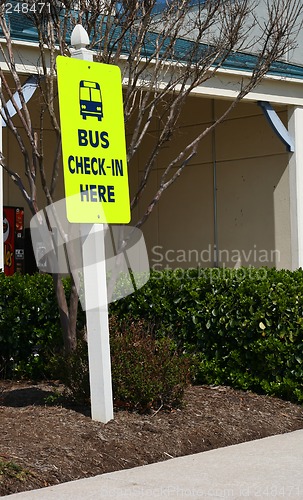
(42, 445)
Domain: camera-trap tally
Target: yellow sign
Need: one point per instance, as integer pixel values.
(93, 142)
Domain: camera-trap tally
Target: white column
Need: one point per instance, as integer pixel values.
(93, 251)
(295, 127)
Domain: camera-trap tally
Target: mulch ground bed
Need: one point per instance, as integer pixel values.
(43, 445)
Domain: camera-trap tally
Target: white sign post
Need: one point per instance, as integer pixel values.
(97, 322)
(96, 190)
(96, 194)
(95, 285)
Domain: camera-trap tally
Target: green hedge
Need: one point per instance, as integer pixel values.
(244, 326)
(241, 327)
(30, 333)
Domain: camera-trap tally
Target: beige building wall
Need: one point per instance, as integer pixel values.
(245, 215)
(253, 191)
(234, 194)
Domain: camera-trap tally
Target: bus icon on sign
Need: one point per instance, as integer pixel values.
(90, 100)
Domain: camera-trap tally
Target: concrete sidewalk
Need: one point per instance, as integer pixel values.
(267, 468)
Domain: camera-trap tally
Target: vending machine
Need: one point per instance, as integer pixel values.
(13, 239)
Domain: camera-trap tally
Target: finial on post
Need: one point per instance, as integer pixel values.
(79, 40)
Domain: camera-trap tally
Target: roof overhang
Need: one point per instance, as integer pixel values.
(276, 89)
(225, 84)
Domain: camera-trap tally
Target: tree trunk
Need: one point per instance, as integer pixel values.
(68, 316)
